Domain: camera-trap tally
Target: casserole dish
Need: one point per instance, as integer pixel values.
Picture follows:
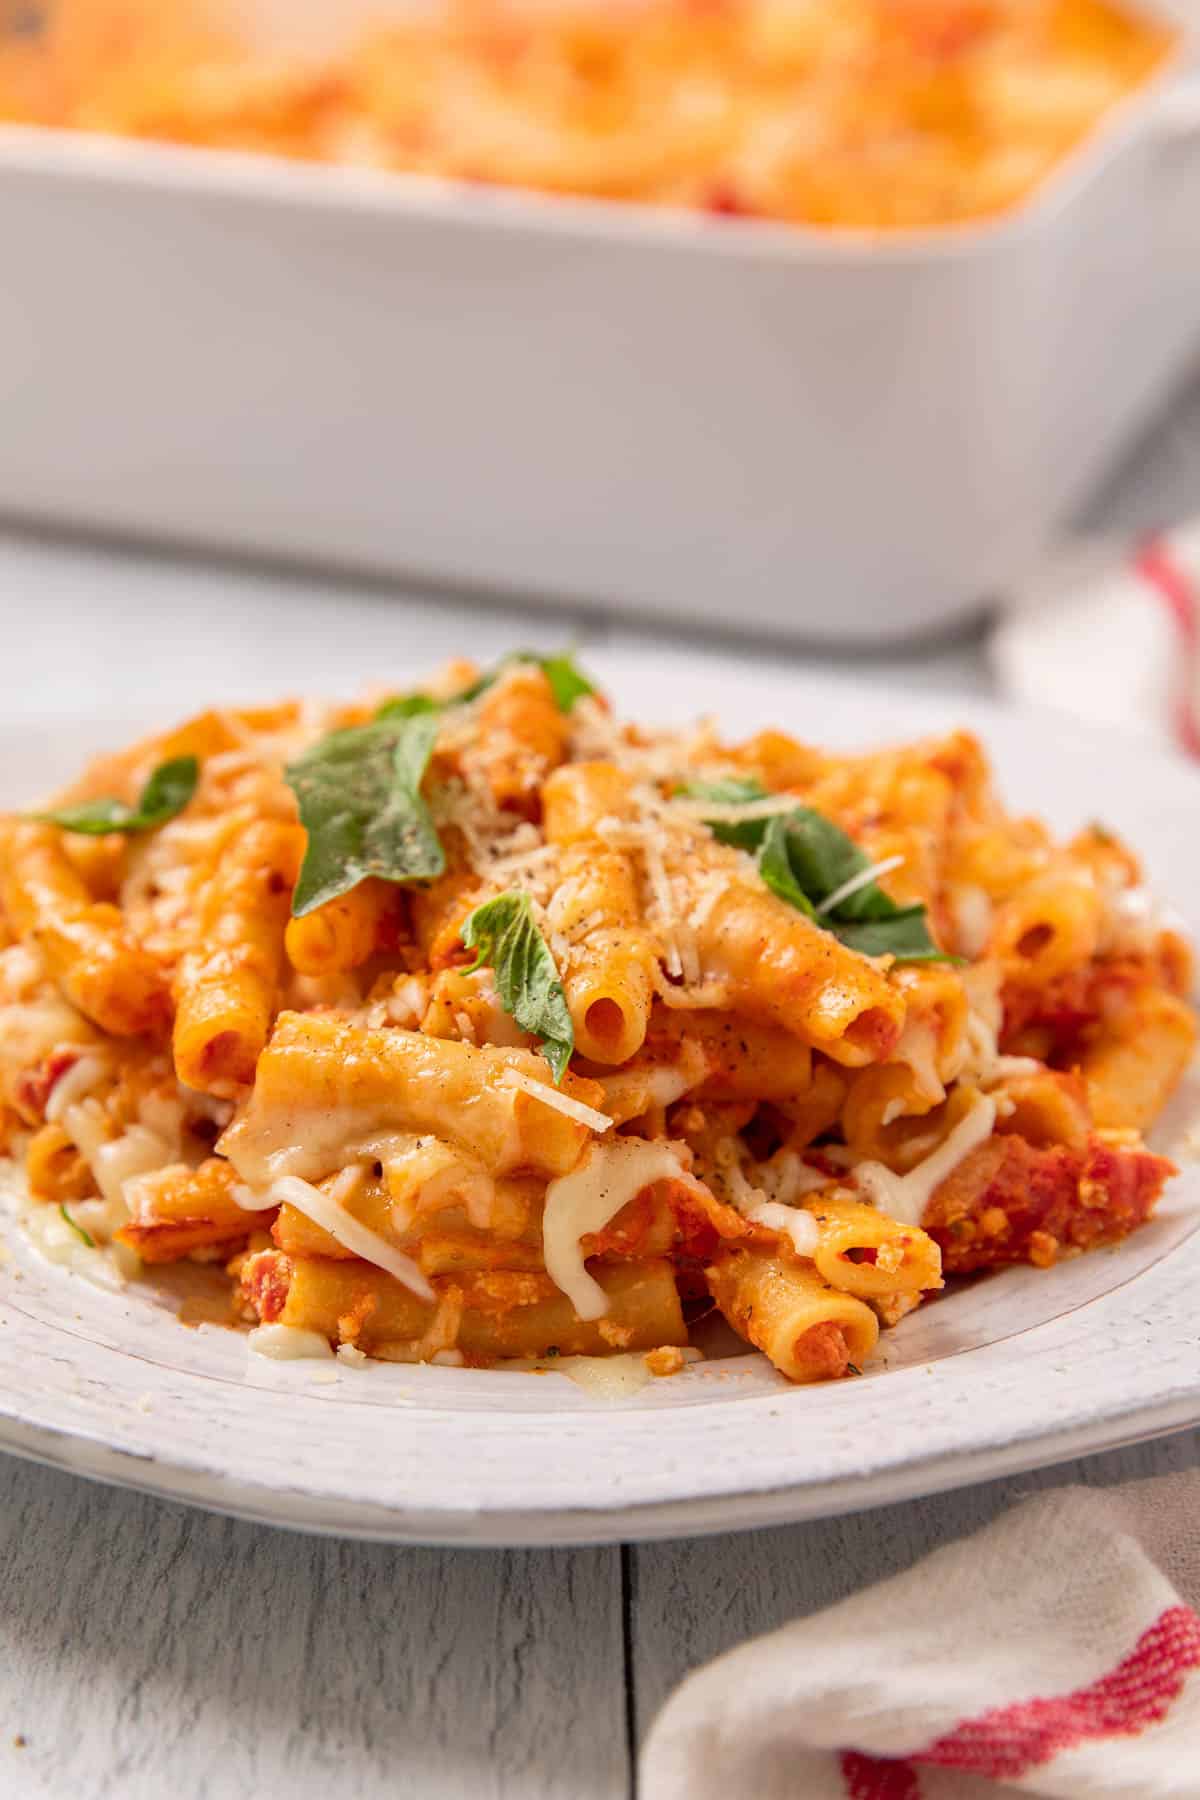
(859, 437)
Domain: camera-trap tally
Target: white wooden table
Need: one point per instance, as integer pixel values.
(147, 1650)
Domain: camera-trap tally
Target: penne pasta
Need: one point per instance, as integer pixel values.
(493, 1314)
(783, 969)
(810, 1330)
(85, 944)
(227, 986)
(575, 1030)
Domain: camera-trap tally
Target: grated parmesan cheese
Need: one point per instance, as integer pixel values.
(563, 1103)
(736, 812)
(863, 879)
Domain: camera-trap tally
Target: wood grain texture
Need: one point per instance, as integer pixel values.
(697, 1598)
(149, 1651)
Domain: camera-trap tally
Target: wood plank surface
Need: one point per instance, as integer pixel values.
(148, 1652)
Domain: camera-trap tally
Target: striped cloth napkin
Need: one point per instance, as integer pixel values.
(1111, 633)
(1056, 1652)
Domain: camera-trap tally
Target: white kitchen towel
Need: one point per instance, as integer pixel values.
(1111, 633)
(1056, 1652)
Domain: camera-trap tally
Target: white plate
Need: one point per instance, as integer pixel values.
(1016, 1370)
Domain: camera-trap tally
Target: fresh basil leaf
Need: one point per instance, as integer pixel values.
(774, 865)
(731, 790)
(567, 681)
(803, 858)
(821, 856)
(903, 934)
(165, 794)
(407, 706)
(168, 791)
(87, 1237)
(359, 792)
(821, 859)
(503, 934)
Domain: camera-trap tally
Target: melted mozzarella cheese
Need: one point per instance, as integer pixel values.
(787, 1177)
(287, 1343)
(772, 1214)
(608, 1178)
(138, 1151)
(918, 1047)
(77, 1082)
(798, 1226)
(324, 1211)
(905, 1197)
(605, 1377)
(971, 910)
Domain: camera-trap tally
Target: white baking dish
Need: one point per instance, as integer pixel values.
(725, 422)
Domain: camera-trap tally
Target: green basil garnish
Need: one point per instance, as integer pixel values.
(731, 790)
(360, 800)
(406, 706)
(503, 934)
(567, 681)
(166, 793)
(903, 934)
(805, 858)
(775, 867)
(87, 1237)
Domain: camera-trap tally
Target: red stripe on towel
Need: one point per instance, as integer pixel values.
(878, 1778)
(1140, 1691)
(1156, 565)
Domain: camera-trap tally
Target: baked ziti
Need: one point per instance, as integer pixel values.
(872, 114)
(469, 1024)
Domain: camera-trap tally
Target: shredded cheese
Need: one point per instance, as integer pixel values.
(799, 1227)
(737, 812)
(76, 1083)
(1012, 1068)
(323, 1210)
(905, 1197)
(971, 909)
(608, 1178)
(863, 879)
(563, 1103)
(787, 1177)
(918, 1047)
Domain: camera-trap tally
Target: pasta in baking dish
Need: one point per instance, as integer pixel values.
(871, 114)
(466, 1024)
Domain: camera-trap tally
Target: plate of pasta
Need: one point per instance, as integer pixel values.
(563, 1101)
